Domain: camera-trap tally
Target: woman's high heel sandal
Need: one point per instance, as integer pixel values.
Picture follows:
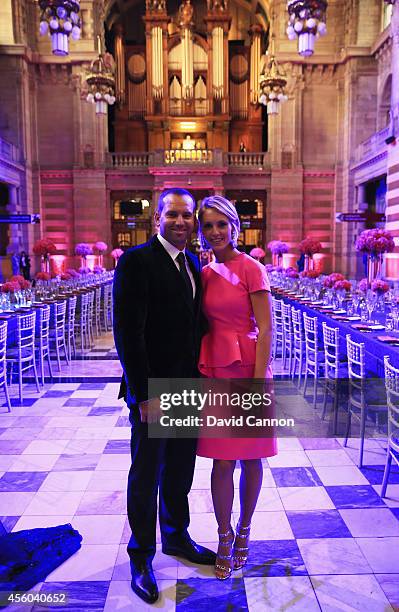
(223, 570)
(240, 553)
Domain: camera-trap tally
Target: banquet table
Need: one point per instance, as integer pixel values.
(375, 348)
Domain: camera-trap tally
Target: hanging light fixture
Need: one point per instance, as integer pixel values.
(100, 80)
(272, 82)
(60, 19)
(307, 19)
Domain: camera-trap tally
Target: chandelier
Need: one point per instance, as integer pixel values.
(100, 80)
(307, 19)
(272, 84)
(60, 19)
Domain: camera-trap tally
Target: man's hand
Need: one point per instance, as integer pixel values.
(150, 410)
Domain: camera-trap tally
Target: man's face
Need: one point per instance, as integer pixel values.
(176, 221)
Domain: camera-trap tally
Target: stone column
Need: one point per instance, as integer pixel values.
(392, 209)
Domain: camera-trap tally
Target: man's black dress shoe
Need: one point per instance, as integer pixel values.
(190, 550)
(143, 580)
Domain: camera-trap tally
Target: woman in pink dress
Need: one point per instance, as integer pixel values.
(236, 302)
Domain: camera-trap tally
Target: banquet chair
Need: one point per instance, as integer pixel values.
(3, 364)
(42, 342)
(361, 404)
(392, 389)
(335, 371)
(23, 354)
(107, 307)
(278, 331)
(70, 326)
(314, 357)
(90, 316)
(298, 344)
(97, 311)
(57, 331)
(81, 320)
(288, 336)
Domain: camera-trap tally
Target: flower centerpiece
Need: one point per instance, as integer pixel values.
(73, 273)
(331, 279)
(379, 287)
(116, 254)
(291, 272)
(10, 287)
(342, 285)
(98, 269)
(84, 270)
(43, 276)
(44, 248)
(269, 268)
(309, 247)
(277, 248)
(100, 248)
(374, 243)
(309, 274)
(83, 250)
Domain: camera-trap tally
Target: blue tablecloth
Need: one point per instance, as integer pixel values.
(375, 349)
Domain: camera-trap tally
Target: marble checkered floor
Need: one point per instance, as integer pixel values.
(322, 538)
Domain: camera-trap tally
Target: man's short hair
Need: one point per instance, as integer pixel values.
(174, 191)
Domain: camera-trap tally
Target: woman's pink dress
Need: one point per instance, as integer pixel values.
(228, 350)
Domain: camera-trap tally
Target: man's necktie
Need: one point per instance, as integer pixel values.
(181, 260)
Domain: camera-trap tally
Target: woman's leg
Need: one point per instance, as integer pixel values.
(222, 495)
(250, 485)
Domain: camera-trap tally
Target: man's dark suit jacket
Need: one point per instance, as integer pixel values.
(156, 324)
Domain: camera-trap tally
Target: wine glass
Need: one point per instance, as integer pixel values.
(371, 301)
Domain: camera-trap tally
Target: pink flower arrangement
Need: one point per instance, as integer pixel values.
(83, 249)
(44, 276)
(330, 280)
(291, 273)
(375, 241)
(257, 252)
(379, 286)
(269, 268)
(363, 285)
(84, 270)
(309, 274)
(10, 287)
(309, 246)
(116, 253)
(277, 247)
(98, 269)
(100, 247)
(279, 269)
(21, 281)
(65, 276)
(72, 273)
(44, 247)
(342, 285)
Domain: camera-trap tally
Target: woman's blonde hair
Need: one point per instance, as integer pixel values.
(225, 207)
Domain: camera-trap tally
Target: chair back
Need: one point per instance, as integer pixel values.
(26, 332)
(43, 314)
(287, 320)
(277, 313)
(59, 318)
(331, 350)
(297, 328)
(356, 359)
(3, 345)
(392, 389)
(311, 338)
(71, 311)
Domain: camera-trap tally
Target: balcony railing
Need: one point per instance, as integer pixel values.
(247, 160)
(9, 151)
(178, 157)
(128, 160)
(372, 146)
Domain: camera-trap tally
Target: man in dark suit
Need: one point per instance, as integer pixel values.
(157, 295)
